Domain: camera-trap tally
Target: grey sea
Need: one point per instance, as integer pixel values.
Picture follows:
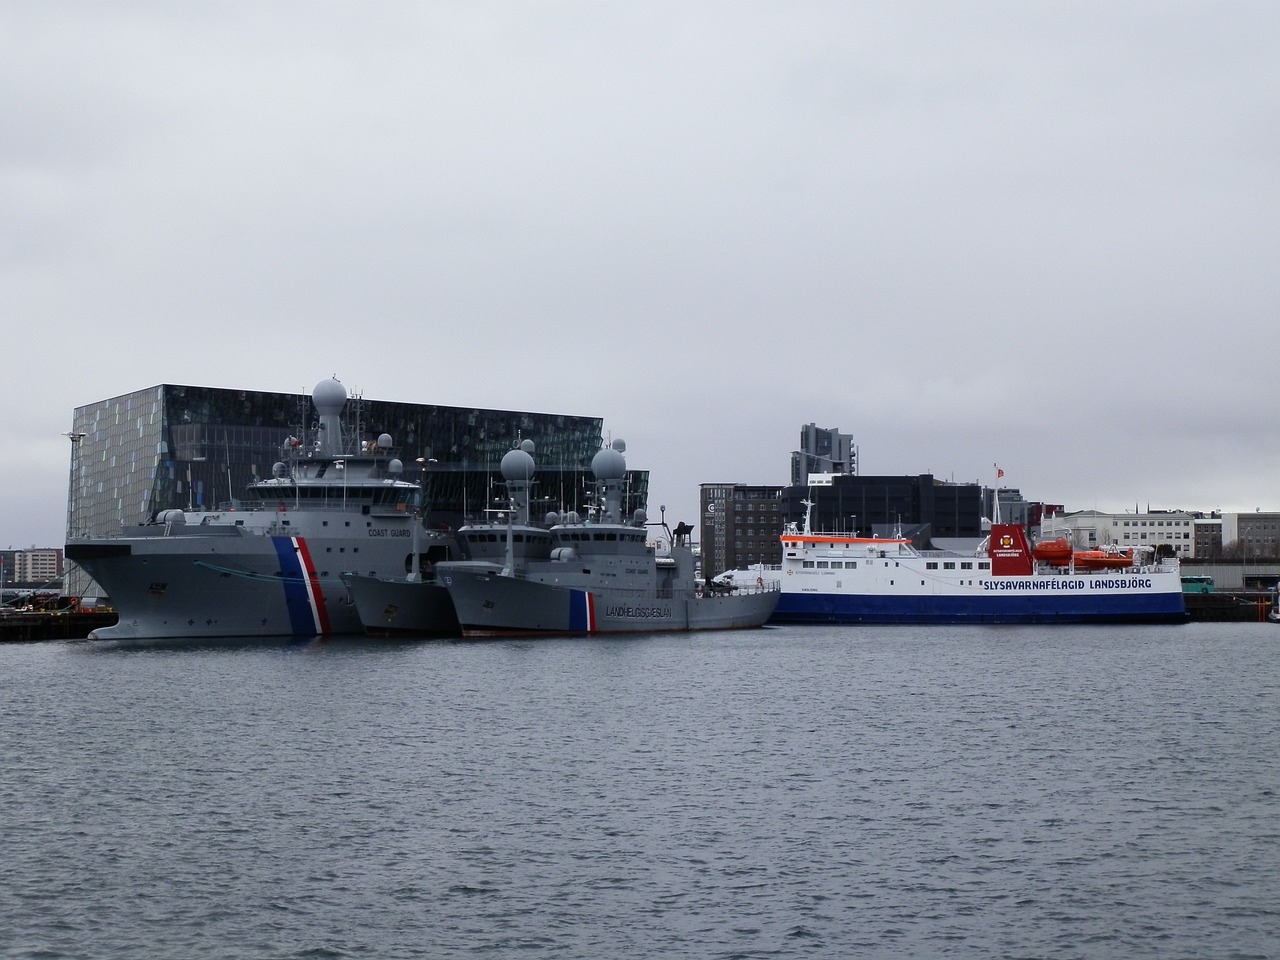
(787, 792)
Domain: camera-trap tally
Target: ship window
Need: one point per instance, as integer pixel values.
(852, 564)
(966, 566)
(931, 566)
(822, 565)
(807, 564)
(984, 565)
(948, 565)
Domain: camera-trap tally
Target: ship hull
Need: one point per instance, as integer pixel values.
(491, 604)
(1025, 608)
(395, 608)
(1111, 598)
(219, 584)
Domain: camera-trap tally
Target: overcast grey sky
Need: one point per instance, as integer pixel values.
(1042, 235)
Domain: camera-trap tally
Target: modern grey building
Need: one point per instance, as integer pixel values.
(199, 447)
(822, 450)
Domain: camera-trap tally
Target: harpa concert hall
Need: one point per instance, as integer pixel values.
(199, 447)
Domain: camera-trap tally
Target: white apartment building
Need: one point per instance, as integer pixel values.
(37, 566)
(1091, 529)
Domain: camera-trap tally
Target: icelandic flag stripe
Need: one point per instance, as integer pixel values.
(315, 595)
(302, 595)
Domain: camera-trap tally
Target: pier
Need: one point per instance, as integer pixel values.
(55, 621)
(1229, 606)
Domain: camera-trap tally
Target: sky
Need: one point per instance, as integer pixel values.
(1039, 235)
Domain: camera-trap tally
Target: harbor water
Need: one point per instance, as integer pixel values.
(787, 792)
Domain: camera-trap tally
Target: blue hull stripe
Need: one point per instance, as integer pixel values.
(302, 618)
(580, 619)
(1057, 608)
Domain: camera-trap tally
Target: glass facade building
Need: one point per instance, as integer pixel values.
(199, 447)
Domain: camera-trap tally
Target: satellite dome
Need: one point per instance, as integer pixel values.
(395, 466)
(527, 446)
(609, 464)
(384, 441)
(517, 466)
(329, 396)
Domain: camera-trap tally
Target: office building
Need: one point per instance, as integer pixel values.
(822, 451)
(1172, 531)
(1254, 534)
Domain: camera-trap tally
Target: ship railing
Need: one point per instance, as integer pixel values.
(1129, 571)
(762, 584)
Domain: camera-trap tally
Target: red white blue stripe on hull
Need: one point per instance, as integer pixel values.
(303, 595)
(582, 612)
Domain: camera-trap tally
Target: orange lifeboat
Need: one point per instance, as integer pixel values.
(1102, 559)
(1056, 552)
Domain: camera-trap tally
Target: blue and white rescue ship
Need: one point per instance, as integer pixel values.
(836, 578)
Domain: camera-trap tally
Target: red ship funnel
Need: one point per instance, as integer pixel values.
(1009, 552)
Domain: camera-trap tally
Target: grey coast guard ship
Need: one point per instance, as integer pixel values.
(269, 565)
(419, 604)
(585, 576)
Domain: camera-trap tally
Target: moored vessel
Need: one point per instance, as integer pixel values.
(836, 578)
(270, 564)
(597, 574)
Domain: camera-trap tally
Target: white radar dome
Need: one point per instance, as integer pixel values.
(609, 464)
(329, 396)
(517, 466)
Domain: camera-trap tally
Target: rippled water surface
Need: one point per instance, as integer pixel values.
(790, 792)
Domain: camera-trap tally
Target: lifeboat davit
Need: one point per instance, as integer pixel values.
(1056, 552)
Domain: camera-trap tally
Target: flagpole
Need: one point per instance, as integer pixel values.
(995, 494)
